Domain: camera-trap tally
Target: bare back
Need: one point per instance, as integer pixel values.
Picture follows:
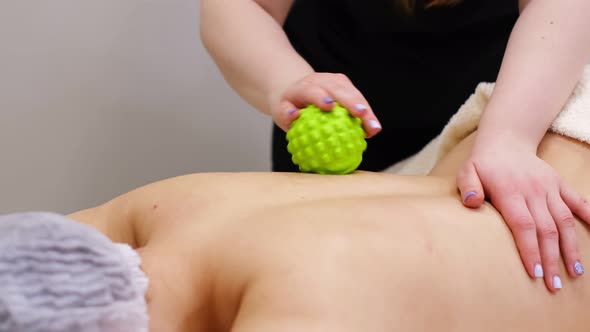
(290, 252)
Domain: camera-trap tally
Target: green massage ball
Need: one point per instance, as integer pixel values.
(326, 142)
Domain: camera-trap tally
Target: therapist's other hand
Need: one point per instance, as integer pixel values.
(535, 203)
(323, 90)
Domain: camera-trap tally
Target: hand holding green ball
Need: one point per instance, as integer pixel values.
(323, 142)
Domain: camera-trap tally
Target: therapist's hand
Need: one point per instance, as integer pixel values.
(323, 90)
(535, 203)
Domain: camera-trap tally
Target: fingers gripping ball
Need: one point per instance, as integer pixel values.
(326, 142)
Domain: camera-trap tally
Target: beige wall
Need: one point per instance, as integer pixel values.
(98, 97)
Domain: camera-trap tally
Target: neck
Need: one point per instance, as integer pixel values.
(116, 227)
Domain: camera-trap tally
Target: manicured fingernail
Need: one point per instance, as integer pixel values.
(469, 194)
(538, 271)
(374, 124)
(556, 282)
(360, 107)
(578, 268)
(291, 111)
(328, 100)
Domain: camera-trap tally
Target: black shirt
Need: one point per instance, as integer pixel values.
(415, 70)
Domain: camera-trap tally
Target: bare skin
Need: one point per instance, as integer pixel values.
(364, 252)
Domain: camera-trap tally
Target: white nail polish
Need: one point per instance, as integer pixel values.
(556, 282)
(360, 107)
(538, 271)
(374, 124)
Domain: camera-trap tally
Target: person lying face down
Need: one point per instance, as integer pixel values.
(284, 252)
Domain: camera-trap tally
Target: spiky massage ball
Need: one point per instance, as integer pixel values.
(323, 142)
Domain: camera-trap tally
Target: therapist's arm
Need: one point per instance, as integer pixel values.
(247, 42)
(548, 49)
(546, 54)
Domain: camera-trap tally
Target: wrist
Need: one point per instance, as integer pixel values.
(496, 141)
(496, 130)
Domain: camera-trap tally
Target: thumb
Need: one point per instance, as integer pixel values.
(285, 115)
(470, 186)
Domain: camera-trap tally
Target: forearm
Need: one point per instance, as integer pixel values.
(251, 49)
(546, 53)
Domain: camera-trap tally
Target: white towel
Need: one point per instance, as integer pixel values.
(573, 121)
(58, 275)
